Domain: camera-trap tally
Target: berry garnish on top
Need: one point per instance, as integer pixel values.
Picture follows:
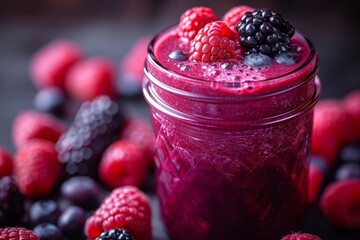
(193, 20)
(265, 31)
(234, 15)
(214, 42)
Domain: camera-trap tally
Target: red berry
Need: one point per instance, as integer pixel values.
(6, 162)
(300, 236)
(125, 207)
(50, 64)
(212, 43)
(352, 106)
(193, 20)
(123, 163)
(234, 15)
(315, 182)
(331, 130)
(340, 203)
(91, 78)
(139, 132)
(17, 233)
(32, 124)
(36, 168)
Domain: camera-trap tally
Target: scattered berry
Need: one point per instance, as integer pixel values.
(234, 15)
(71, 222)
(193, 20)
(257, 60)
(214, 42)
(116, 234)
(300, 236)
(91, 78)
(36, 168)
(35, 125)
(350, 153)
(286, 58)
(11, 203)
(6, 162)
(82, 191)
(348, 171)
(125, 207)
(317, 171)
(47, 231)
(332, 129)
(95, 127)
(123, 163)
(340, 203)
(352, 106)
(50, 100)
(43, 211)
(141, 133)
(265, 31)
(50, 64)
(17, 233)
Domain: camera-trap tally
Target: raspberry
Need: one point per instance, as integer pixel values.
(96, 125)
(212, 43)
(50, 64)
(300, 236)
(316, 177)
(340, 203)
(91, 78)
(331, 130)
(234, 15)
(11, 202)
(36, 168)
(193, 20)
(32, 124)
(17, 233)
(352, 106)
(138, 131)
(123, 163)
(116, 234)
(125, 207)
(6, 162)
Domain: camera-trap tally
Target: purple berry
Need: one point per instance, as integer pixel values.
(47, 231)
(82, 191)
(72, 221)
(43, 211)
(350, 153)
(348, 171)
(258, 60)
(50, 100)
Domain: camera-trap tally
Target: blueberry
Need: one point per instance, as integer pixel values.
(178, 55)
(258, 60)
(320, 163)
(47, 231)
(43, 211)
(129, 86)
(286, 58)
(347, 171)
(350, 153)
(82, 191)
(72, 221)
(50, 100)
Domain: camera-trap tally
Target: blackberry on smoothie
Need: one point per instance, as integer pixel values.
(232, 103)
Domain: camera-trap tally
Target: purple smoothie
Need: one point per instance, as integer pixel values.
(233, 141)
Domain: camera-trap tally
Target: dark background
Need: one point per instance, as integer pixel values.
(108, 28)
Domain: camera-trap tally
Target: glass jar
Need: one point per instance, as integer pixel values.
(231, 164)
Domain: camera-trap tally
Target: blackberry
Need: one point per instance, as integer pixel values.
(96, 125)
(11, 203)
(116, 234)
(265, 31)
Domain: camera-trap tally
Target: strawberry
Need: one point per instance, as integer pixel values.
(340, 203)
(233, 16)
(193, 20)
(91, 78)
(331, 130)
(125, 207)
(32, 124)
(6, 162)
(138, 131)
(212, 43)
(300, 236)
(123, 163)
(36, 168)
(17, 233)
(50, 64)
